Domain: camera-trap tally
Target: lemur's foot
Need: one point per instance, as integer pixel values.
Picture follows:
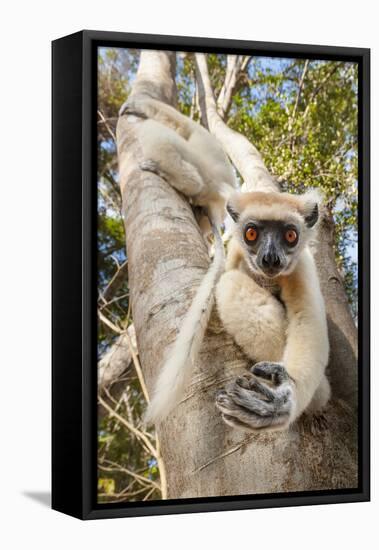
(251, 404)
(152, 166)
(133, 107)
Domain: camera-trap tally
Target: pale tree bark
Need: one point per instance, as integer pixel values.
(235, 67)
(343, 362)
(242, 153)
(167, 260)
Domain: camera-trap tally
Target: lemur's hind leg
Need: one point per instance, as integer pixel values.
(179, 174)
(165, 154)
(263, 398)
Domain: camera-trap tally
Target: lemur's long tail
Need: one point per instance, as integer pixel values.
(177, 370)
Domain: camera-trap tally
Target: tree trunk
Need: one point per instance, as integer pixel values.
(167, 260)
(343, 361)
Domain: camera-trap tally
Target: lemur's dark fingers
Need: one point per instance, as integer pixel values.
(248, 408)
(263, 389)
(249, 382)
(252, 401)
(231, 410)
(253, 385)
(243, 381)
(275, 372)
(253, 390)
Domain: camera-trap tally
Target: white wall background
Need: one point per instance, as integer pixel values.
(27, 29)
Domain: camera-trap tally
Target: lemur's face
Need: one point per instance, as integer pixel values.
(273, 229)
(270, 245)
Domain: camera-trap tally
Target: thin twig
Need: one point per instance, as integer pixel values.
(137, 366)
(140, 435)
(115, 282)
(318, 89)
(148, 494)
(236, 67)
(162, 469)
(225, 453)
(118, 468)
(104, 121)
(295, 108)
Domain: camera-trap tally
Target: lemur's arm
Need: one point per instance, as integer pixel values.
(307, 348)
(291, 377)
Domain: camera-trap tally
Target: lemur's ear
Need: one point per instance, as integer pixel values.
(311, 209)
(232, 207)
(312, 217)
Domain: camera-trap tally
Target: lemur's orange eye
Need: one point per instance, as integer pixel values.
(251, 234)
(291, 236)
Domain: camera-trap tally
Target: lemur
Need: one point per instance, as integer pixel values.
(191, 160)
(268, 299)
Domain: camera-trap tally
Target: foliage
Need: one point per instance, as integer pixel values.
(302, 117)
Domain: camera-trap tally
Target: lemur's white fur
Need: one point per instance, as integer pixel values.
(191, 160)
(279, 320)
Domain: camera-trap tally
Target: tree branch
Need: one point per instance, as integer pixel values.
(243, 154)
(104, 121)
(117, 359)
(236, 66)
(294, 111)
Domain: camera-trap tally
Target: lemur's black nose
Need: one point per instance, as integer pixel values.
(271, 260)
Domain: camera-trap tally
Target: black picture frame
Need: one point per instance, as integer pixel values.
(74, 416)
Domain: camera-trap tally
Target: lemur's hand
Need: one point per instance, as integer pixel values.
(251, 404)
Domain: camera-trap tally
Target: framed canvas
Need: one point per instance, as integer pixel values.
(183, 382)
